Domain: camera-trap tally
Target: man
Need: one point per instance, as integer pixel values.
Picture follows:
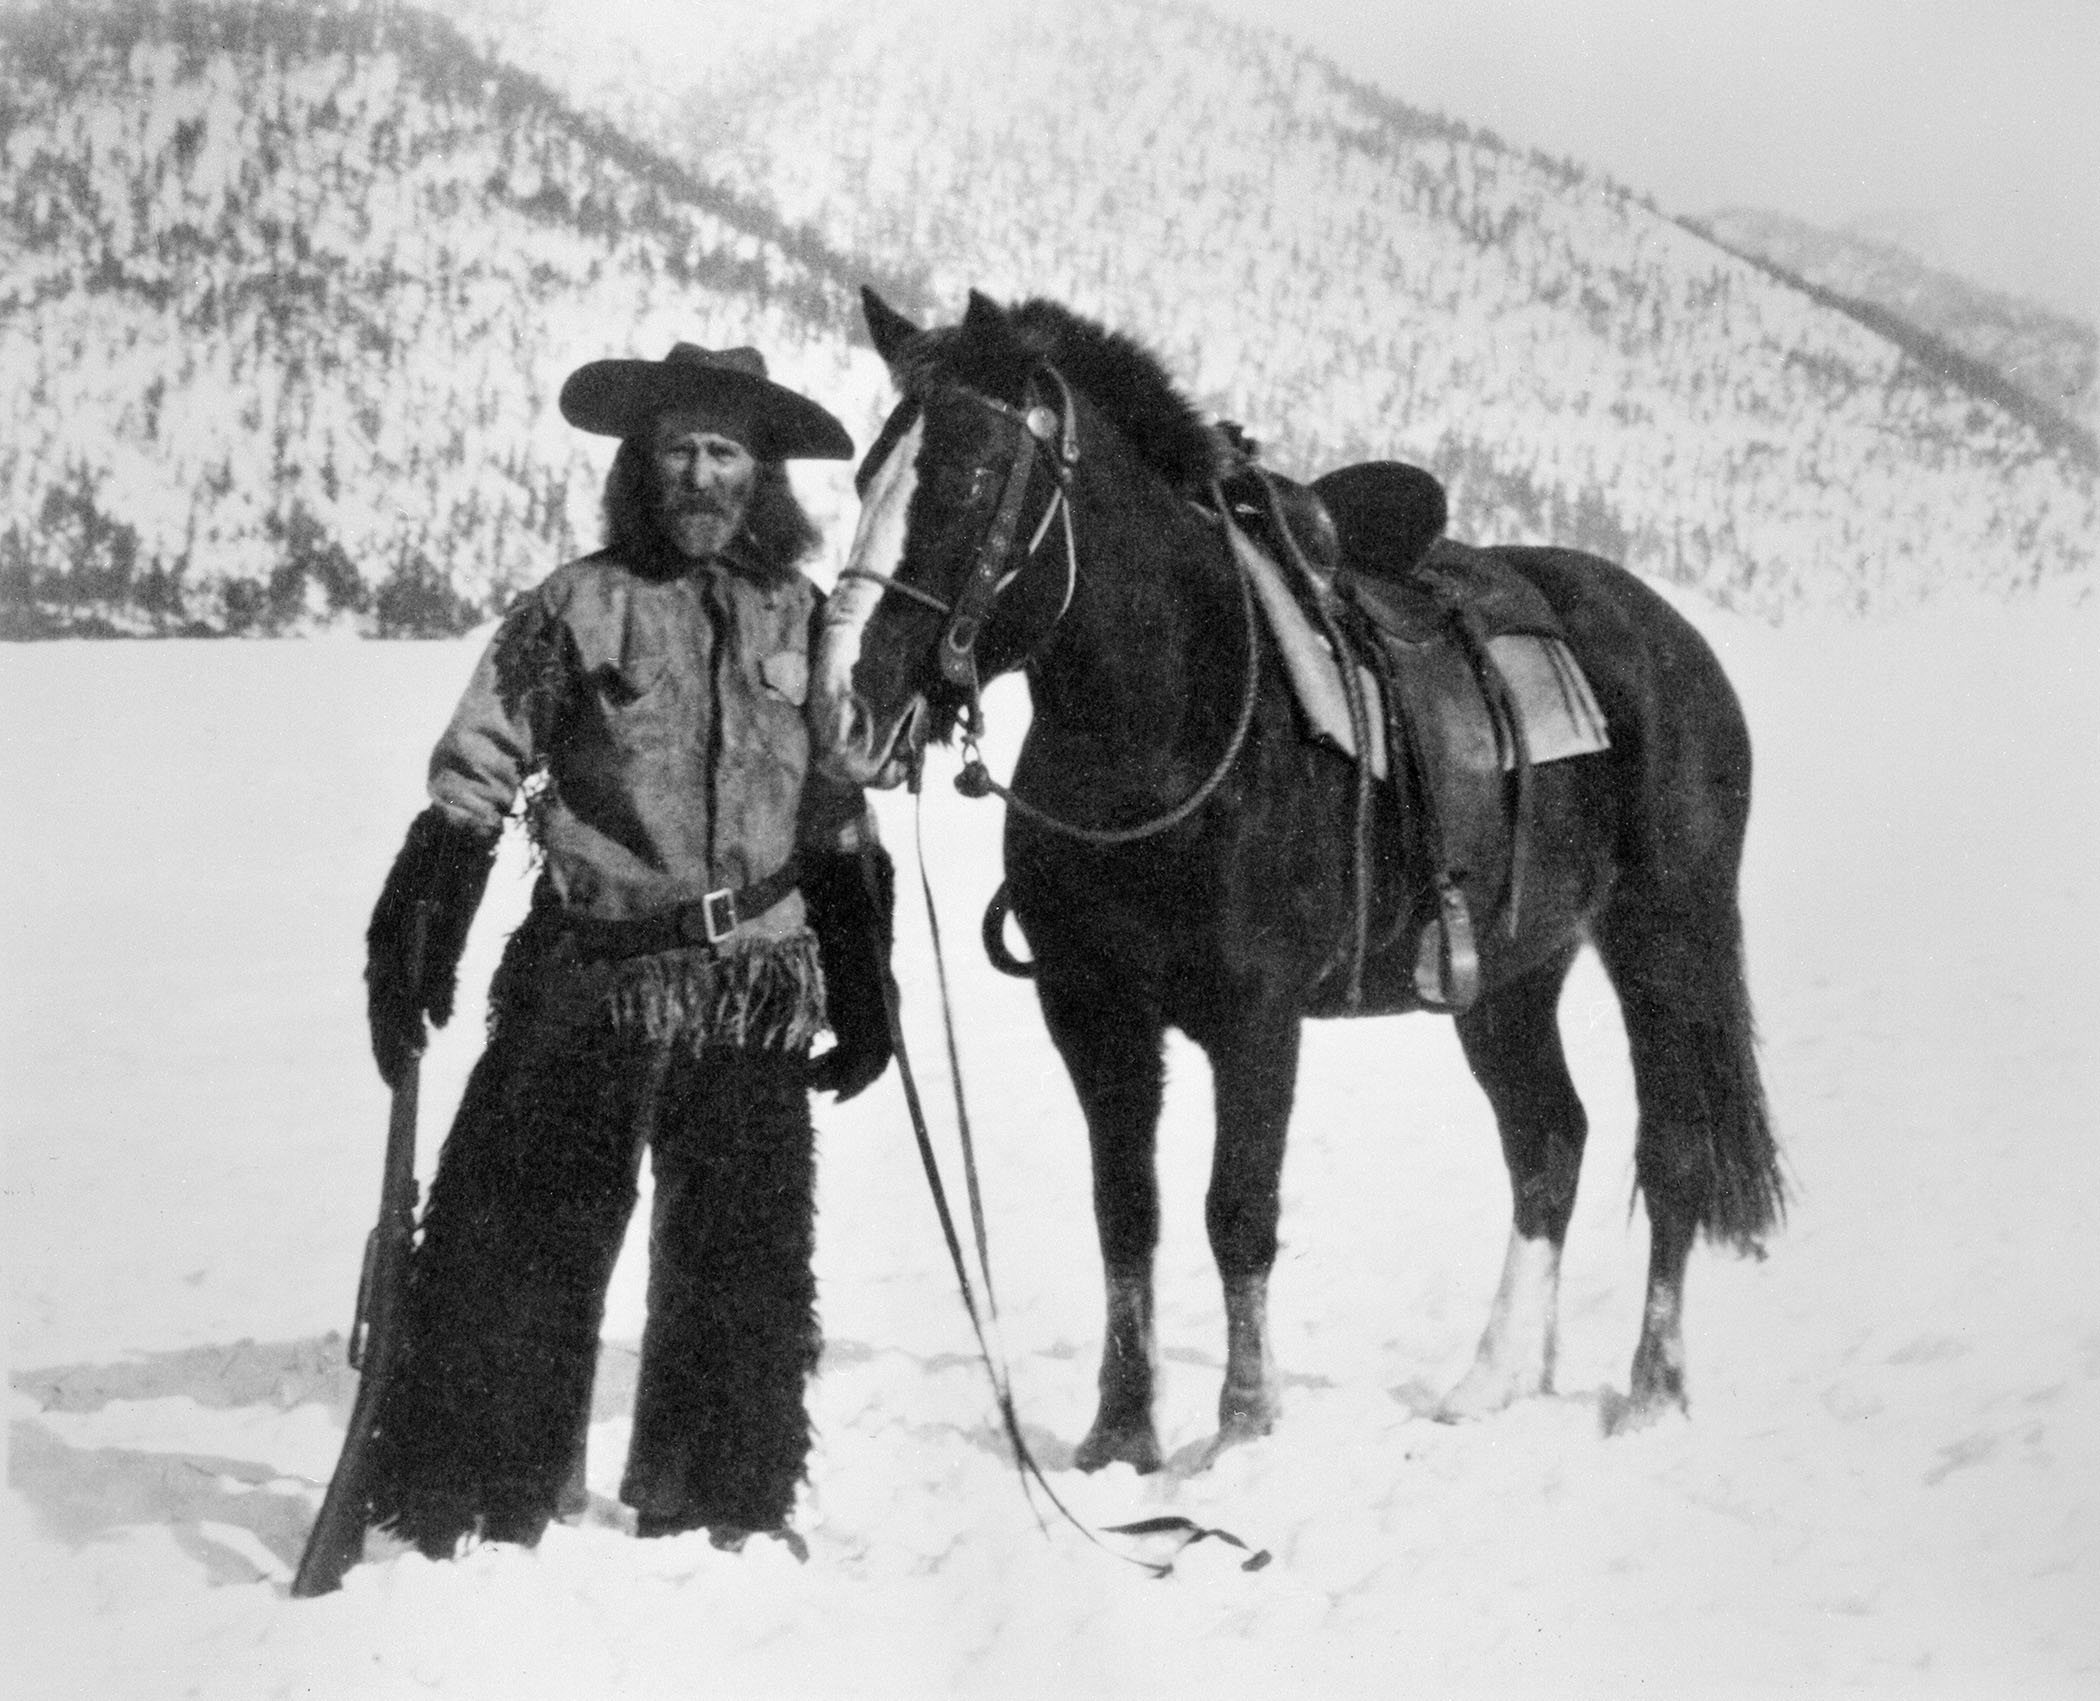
(701, 912)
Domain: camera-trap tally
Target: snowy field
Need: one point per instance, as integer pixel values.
(1888, 1481)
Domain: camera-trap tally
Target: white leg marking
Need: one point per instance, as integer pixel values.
(1516, 1351)
(1248, 1403)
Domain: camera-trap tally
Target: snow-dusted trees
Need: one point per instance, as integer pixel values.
(288, 299)
(1355, 279)
(286, 285)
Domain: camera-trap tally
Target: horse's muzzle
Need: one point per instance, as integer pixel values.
(854, 746)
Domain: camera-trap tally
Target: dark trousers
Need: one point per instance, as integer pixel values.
(526, 1215)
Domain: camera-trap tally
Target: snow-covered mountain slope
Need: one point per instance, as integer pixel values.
(2052, 356)
(288, 289)
(1355, 279)
(287, 296)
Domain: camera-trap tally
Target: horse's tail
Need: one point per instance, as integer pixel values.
(1704, 1152)
(1671, 936)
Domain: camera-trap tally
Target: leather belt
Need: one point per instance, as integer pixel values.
(706, 920)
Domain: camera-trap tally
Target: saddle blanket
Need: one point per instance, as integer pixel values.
(1552, 697)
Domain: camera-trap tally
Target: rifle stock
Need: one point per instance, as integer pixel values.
(337, 1540)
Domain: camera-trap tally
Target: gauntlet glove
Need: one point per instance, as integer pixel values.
(851, 900)
(444, 866)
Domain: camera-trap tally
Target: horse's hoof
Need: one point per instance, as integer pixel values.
(1483, 1393)
(1136, 1446)
(1247, 1416)
(1645, 1406)
(1236, 1430)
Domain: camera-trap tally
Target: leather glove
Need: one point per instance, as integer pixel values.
(441, 870)
(851, 900)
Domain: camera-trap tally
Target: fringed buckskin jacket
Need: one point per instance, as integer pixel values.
(665, 713)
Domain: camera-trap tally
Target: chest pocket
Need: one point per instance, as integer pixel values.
(624, 694)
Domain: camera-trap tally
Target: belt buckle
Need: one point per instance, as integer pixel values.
(718, 914)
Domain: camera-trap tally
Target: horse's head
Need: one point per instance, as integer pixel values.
(958, 497)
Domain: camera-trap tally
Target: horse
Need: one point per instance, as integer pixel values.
(1177, 850)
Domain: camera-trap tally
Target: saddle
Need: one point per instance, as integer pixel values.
(1458, 681)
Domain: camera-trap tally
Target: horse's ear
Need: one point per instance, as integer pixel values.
(991, 353)
(888, 329)
(984, 317)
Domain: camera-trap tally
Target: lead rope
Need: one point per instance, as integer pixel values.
(995, 1362)
(962, 1110)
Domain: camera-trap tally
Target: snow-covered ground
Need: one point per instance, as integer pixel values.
(1888, 1480)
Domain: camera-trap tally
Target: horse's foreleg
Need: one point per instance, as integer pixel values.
(1255, 1077)
(1122, 1431)
(1114, 1058)
(1512, 1044)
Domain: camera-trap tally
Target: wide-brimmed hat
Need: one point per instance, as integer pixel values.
(619, 398)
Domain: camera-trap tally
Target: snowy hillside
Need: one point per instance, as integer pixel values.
(2052, 356)
(1354, 279)
(287, 296)
(286, 290)
(1889, 1483)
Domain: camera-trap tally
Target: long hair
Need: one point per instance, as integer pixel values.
(776, 536)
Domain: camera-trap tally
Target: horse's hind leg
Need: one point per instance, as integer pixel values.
(1512, 1044)
(1114, 1056)
(1704, 1156)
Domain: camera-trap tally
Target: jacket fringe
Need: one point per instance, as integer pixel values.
(754, 994)
(767, 995)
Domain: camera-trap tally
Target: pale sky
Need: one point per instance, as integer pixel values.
(1969, 129)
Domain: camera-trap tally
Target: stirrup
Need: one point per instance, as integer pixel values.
(1447, 962)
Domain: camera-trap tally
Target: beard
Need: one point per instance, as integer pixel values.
(701, 527)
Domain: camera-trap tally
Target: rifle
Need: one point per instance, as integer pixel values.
(337, 1540)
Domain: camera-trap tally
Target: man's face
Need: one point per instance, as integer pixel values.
(704, 478)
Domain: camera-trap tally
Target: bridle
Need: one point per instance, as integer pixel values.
(1037, 427)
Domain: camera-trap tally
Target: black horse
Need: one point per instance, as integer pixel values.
(1036, 501)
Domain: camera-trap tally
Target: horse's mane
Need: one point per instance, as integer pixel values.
(1120, 376)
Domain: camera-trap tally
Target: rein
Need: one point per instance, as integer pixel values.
(984, 1324)
(976, 780)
